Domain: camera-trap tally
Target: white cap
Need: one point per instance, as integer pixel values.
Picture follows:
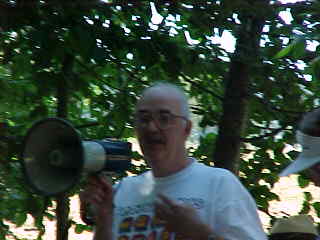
(309, 156)
(294, 224)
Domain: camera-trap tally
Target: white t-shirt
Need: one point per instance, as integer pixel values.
(217, 195)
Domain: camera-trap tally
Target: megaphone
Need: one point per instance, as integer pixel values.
(54, 157)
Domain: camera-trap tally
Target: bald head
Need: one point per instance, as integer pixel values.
(172, 91)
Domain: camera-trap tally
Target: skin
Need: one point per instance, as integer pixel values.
(165, 152)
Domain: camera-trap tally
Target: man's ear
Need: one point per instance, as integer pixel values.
(188, 127)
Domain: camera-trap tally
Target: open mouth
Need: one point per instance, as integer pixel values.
(157, 141)
(152, 142)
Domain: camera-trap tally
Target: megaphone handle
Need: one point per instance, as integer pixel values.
(86, 214)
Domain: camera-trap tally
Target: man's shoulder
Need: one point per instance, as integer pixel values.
(135, 179)
(217, 176)
(214, 171)
(131, 184)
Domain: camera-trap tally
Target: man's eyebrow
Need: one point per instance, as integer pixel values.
(159, 111)
(164, 111)
(143, 111)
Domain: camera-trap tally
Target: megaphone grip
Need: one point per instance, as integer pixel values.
(86, 214)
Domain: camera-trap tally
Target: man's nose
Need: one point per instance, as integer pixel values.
(153, 125)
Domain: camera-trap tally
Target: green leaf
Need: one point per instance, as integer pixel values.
(315, 66)
(303, 182)
(316, 206)
(307, 196)
(79, 228)
(305, 208)
(284, 52)
(296, 49)
(20, 219)
(299, 48)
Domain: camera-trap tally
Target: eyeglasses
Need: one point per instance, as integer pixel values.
(163, 120)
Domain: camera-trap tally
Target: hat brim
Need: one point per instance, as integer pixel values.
(300, 164)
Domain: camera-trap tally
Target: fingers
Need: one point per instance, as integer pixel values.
(91, 197)
(167, 201)
(166, 208)
(98, 191)
(162, 211)
(99, 182)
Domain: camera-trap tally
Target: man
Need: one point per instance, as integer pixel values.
(308, 135)
(179, 198)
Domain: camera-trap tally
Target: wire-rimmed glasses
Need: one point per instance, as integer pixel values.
(163, 120)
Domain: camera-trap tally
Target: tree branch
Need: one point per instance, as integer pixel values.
(277, 109)
(199, 86)
(270, 134)
(91, 124)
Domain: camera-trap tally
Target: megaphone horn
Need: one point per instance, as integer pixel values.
(54, 157)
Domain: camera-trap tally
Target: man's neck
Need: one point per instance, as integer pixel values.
(165, 171)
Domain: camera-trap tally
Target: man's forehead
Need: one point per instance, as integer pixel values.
(154, 110)
(158, 105)
(159, 101)
(161, 93)
(156, 100)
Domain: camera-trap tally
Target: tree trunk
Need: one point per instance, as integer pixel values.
(236, 98)
(63, 206)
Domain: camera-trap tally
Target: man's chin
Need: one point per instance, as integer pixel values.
(154, 147)
(153, 155)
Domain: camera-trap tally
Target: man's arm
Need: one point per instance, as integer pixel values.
(103, 228)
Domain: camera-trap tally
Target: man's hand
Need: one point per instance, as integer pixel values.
(181, 219)
(98, 194)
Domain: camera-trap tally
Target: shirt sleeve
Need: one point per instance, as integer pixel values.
(236, 214)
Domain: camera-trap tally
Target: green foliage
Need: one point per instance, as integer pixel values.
(306, 206)
(205, 150)
(80, 228)
(316, 206)
(315, 66)
(296, 49)
(303, 182)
